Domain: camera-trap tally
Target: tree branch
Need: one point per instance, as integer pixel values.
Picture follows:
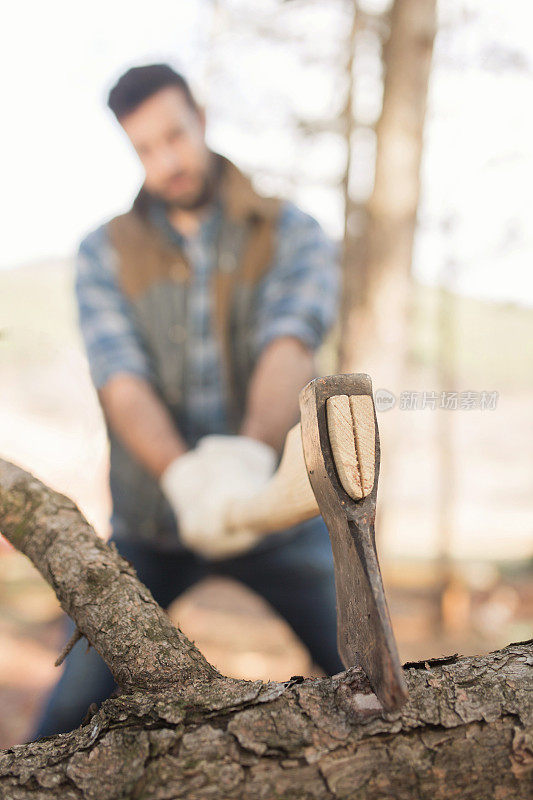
(74, 639)
(97, 588)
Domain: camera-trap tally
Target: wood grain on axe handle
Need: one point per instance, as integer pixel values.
(362, 407)
(342, 440)
(352, 436)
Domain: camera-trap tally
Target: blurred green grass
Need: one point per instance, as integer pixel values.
(492, 342)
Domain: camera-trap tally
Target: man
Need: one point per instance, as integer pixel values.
(201, 309)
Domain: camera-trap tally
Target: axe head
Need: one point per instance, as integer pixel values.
(364, 632)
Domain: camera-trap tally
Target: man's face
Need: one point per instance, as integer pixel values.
(169, 138)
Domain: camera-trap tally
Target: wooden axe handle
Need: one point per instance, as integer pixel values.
(285, 500)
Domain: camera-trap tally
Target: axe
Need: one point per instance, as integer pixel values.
(330, 466)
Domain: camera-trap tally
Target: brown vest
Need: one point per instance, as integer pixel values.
(154, 275)
(153, 272)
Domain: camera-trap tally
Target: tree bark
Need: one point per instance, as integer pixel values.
(177, 728)
(379, 236)
(98, 589)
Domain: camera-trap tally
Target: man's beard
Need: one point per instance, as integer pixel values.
(203, 197)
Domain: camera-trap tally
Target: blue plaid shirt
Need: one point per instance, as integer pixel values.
(297, 297)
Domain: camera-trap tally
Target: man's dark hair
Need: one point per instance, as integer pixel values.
(140, 83)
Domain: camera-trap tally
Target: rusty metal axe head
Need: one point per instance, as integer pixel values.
(341, 448)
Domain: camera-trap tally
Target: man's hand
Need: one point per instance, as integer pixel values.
(202, 483)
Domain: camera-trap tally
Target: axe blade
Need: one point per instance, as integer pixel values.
(364, 632)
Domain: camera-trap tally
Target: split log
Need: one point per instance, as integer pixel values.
(178, 728)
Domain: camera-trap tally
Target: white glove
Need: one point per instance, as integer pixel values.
(202, 483)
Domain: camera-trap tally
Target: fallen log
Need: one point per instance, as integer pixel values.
(178, 728)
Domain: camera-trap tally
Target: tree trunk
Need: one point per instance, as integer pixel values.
(379, 237)
(178, 728)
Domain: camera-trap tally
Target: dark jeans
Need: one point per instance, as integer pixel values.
(295, 575)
